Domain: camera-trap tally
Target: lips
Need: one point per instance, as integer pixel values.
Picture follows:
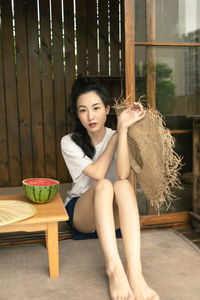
(92, 124)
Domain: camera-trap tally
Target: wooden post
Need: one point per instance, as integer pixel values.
(130, 60)
(151, 61)
(129, 50)
(151, 52)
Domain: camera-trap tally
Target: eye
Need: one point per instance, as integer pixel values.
(82, 110)
(96, 107)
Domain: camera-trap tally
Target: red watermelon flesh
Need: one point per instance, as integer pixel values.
(40, 181)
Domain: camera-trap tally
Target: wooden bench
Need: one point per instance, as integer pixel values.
(46, 219)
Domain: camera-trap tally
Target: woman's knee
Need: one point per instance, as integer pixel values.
(121, 185)
(123, 190)
(103, 185)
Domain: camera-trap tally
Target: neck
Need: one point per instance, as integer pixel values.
(97, 137)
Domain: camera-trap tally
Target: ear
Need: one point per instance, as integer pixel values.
(107, 109)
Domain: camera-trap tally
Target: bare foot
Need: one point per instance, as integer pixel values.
(141, 289)
(119, 285)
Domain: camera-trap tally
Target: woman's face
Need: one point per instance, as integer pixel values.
(92, 112)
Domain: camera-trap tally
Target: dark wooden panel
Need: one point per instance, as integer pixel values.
(114, 37)
(81, 36)
(103, 36)
(35, 89)
(4, 174)
(91, 20)
(23, 91)
(47, 92)
(69, 54)
(122, 40)
(60, 109)
(10, 94)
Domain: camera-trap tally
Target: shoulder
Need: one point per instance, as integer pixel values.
(68, 144)
(66, 139)
(109, 132)
(106, 139)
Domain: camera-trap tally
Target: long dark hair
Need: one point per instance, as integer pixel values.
(80, 135)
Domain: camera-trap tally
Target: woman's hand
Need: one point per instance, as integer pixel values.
(130, 115)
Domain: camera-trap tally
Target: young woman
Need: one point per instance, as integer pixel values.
(102, 199)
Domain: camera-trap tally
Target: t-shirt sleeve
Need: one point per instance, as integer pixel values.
(74, 157)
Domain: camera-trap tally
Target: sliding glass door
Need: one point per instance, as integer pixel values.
(167, 72)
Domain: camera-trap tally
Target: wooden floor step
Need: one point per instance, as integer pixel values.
(193, 236)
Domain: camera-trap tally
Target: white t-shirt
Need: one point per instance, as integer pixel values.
(76, 162)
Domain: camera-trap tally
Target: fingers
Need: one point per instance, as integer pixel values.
(137, 107)
(142, 114)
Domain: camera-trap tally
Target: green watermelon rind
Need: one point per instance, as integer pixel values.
(40, 194)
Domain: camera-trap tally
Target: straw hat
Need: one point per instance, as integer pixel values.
(152, 156)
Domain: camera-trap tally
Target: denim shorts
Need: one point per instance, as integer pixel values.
(76, 235)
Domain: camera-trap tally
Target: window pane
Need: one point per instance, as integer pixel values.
(140, 23)
(177, 95)
(175, 20)
(178, 80)
(140, 71)
(178, 21)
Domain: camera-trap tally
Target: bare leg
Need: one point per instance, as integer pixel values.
(101, 204)
(130, 228)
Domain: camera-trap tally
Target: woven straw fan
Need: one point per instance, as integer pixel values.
(14, 210)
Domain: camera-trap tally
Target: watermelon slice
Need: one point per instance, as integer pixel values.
(40, 190)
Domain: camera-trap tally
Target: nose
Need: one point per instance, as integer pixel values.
(90, 115)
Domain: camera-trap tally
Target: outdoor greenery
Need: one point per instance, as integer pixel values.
(165, 88)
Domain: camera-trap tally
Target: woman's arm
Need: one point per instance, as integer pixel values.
(122, 160)
(98, 169)
(127, 118)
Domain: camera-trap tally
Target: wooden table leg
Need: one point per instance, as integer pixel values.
(46, 239)
(52, 240)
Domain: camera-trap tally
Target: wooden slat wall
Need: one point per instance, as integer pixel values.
(37, 70)
(103, 37)
(23, 92)
(47, 91)
(91, 21)
(10, 91)
(35, 89)
(59, 107)
(3, 134)
(114, 37)
(69, 54)
(81, 36)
